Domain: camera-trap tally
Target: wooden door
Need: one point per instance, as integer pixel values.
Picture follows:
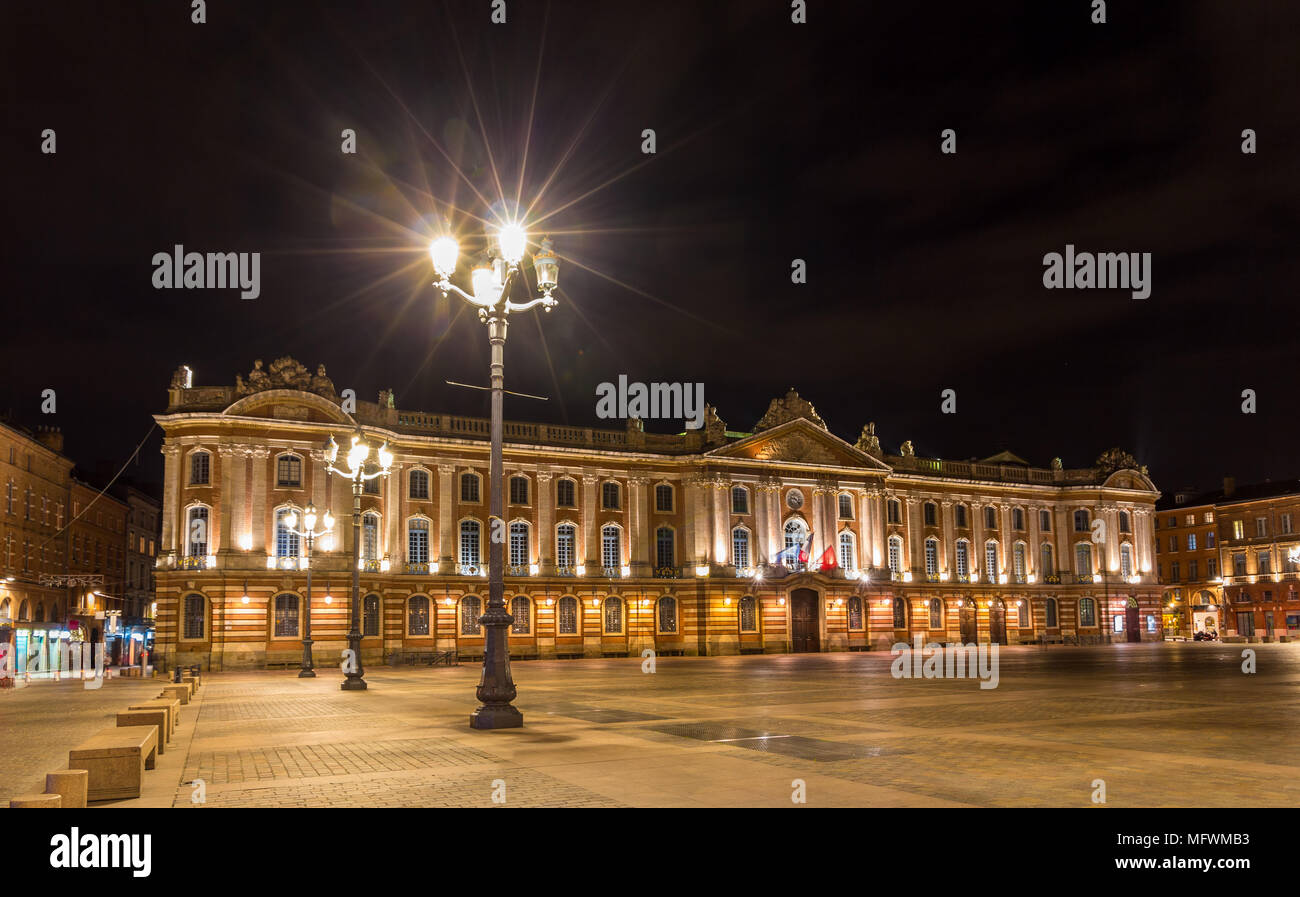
(805, 635)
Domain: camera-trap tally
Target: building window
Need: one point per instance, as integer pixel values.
(1018, 519)
(613, 615)
(846, 506)
(371, 486)
(419, 484)
(1045, 521)
(930, 513)
(471, 608)
(196, 538)
(1083, 559)
(748, 614)
(565, 536)
(665, 547)
(848, 552)
(200, 468)
(519, 490)
(1051, 613)
(740, 547)
(963, 559)
(568, 615)
(900, 613)
(796, 534)
(370, 616)
(469, 487)
(667, 614)
(1125, 527)
(1081, 524)
(1173, 543)
(936, 613)
(960, 515)
(417, 541)
(991, 560)
(609, 497)
(611, 546)
(286, 616)
(1087, 612)
(1191, 541)
(664, 498)
(1261, 527)
(1209, 539)
(1239, 563)
(895, 554)
(288, 471)
(1212, 568)
(1286, 524)
(417, 615)
(194, 616)
(855, 612)
(369, 536)
(895, 511)
(1193, 571)
(520, 549)
(1238, 529)
(1018, 561)
(739, 500)
(990, 518)
(1264, 560)
(1126, 560)
(520, 609)
(286, 540)
(469, 543)
(932, 557)
(564, 493)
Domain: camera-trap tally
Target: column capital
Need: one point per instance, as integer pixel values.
(446, 468)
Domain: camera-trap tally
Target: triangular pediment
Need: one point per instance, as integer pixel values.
(799, 442)
(289, 404)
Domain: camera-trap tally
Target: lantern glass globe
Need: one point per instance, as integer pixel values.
(444, 251)
(512, 240)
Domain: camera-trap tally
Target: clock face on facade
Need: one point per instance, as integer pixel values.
(794, 499)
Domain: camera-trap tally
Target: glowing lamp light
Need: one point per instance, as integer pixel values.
(329, 599)
(309, 517)
(726, 602)
(546, 266)
(550, 601)
(702, 570)
(534, 569)
(626, 571)
(270, 562)
(358, 454)
(291, 520)
(512, 240)
(781, 602)
(839, 602)
(243, 599)
(580, 570)
(331, 450)
(907, 577)
(385, 565)
(153, 608)
(245, 542)
(645, 602)
(385, 457)
(449, 602)
(443, 252)
(483, 285)
(1030, 578)
(1004, 579)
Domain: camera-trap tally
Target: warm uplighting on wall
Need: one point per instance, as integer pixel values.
(534, 569)
(626, 571)
(943, 577)
(702, 570)
(595, 603)
(550, 601)
(302, 563)
(385, 565)
(1030, 578)
(726, 602)
(580, 570)
(212, 561)
(245, 542)
(907, 576)
(270, 562)
(1004, 579)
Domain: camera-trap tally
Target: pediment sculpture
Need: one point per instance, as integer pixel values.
(792, 407)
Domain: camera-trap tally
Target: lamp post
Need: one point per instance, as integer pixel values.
(490, 284)
(356, 472)
(309, 535)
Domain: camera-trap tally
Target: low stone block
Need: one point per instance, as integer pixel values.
(36, 802)
(70, 784)
(173, 708)
(152, 717)
(176, 692)
(116, 760)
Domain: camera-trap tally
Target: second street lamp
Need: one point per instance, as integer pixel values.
(490, 285)
(309, 535)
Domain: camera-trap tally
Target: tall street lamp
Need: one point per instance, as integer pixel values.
(309, 534)
(490, 285)
(356, 472)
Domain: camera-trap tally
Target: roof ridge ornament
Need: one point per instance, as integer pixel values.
(792, 407)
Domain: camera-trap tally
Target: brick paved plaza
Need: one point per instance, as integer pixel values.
(1173, 724)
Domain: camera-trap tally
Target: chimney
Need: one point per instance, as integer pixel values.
(51, 438)
(1229, 486)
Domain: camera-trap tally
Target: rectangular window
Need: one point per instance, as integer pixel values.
(931, 514)
(740, 547)
(519, 553)
(895, 513)
(288, 471)
(469, 487)
(664, 498)
(1045, 521)
(1239, 563)
(1209, 539)
(1173, 543)
(1265, 561)
(960, 516)
(847, 559)
(199, 468)
(611, 547)
(1261, 527)
(1193, 571)
(564, 493)
(1191, 541)
(739, 500)
(1175, 572)
(518, 490)
(1190, 520)
(1238, 529)
(1245, 622)
(1212, 568)
(564, 538)
(931, 557)
(990, 518)
(417, 542)
(1286, 524)
(469, 547)
(846, 507)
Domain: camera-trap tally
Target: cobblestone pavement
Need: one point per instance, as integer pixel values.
(1173, 724)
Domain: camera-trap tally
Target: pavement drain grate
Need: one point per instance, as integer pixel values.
(796, 746)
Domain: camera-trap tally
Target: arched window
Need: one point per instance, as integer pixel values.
(40, 612)
(1018, 561)
(963, 560)
(900, 613)
(740, 547)
(665, 547)
(845, 506)
(667, 614)
(611, 546)
(286, 540)
(895, 555)
(1083, 559)
(200, 468)
(565, 491)
(288, 470)
(936, 613)
(991, 560)
(369, 536)
(664, 498)
(469, 487)
(196, 532)
(1126, 560)
(855, 612)
(521, 609)
(417, 615)
(4, 608)
(471, 608)
(1045, 562)
(567, 616)
(469, 543)
(610, 499)
(193, 616)
(613, 615)
(370, 615)
(739, 500)
(520, 544)
(519, 490)
(1052, 621)
(1087, 612)
(748, 614)
(566, 535)
(419, 485)
(286, 615)
(417, 540)
(796, 534)
(932, 558)
(848, 552)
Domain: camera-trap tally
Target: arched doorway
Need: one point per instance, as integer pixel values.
(966, 619)
(805, 635)
(998, 621)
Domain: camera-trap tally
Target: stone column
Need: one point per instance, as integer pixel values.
(545, 499)
(1034, 549)
(977, 529)
(171, 497)
(1064, 542)
(912, 517)
(948, 539)
(589, 551)
(1007, 542)
(446, 518)
(223, 525)
(772, 522)
(721, 489)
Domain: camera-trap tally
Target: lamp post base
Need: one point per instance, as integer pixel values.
(306, 674)
(496, 716)
(353, 685)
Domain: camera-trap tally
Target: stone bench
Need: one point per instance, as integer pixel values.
(36, 801)
(71, 785)
(154, 716)
(173, 708)
(177, 693)
(116, 760)
(192, 682)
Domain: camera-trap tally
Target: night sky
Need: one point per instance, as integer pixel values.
(775, 141)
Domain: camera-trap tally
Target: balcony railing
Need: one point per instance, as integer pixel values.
(962, 577)
(470, 569)
(668, 573)
(612, 572)
(196, 562)
(372, 565)
(1084, 578)
(417, 567)
(517, 570)
(566, 571)
(1052, 579)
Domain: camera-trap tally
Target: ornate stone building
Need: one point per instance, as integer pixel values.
(710, 542)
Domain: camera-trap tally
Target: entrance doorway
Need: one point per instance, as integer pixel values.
(1131, 623)
(998, 622)
(805, 636)
(966, 616)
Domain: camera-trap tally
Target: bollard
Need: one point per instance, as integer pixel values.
(71, 785)
(36, 802)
